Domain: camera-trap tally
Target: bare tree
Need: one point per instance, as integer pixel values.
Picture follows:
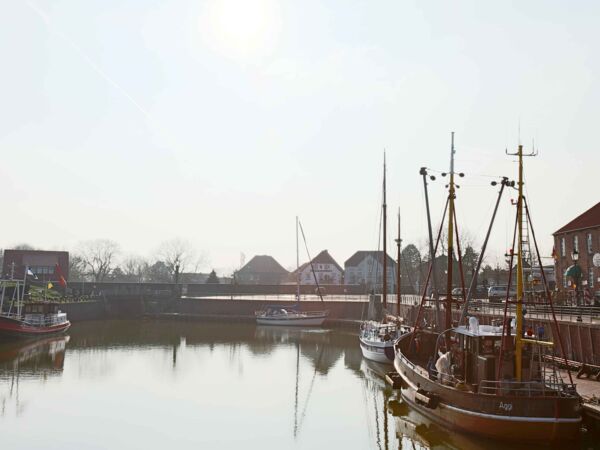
(134, 268)
(177, 254)
(97, 257)
(76, 268)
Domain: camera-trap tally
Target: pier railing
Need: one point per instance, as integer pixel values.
(547, 388)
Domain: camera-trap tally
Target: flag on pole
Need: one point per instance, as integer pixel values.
(61, 278)
(29, 272)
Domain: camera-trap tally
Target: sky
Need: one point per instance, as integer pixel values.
(220, 121)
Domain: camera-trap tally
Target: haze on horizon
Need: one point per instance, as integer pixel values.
(219, 121)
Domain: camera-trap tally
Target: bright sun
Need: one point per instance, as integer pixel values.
(241, 29)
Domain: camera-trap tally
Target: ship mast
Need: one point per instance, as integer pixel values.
(451, 197)
(297, 264)
(519, 312)
(398, 268)
(384, 292)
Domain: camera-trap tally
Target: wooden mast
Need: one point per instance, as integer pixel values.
(398, 268)
(384, 292)
(451, 197)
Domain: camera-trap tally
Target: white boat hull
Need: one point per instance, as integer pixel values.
(299, 321)
(376, 351)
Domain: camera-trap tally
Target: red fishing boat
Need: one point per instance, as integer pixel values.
(22, 320)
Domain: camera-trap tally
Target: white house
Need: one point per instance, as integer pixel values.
(366, 268)
(327, 270)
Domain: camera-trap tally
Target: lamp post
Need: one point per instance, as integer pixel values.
(576, 273)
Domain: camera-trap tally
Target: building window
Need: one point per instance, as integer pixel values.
(565, 281)
(591, 277)
(589, 242)
(576, 243)
(563, 247)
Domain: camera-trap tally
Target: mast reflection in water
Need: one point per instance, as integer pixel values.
(155, 385)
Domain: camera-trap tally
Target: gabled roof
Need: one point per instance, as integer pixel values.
(589, 219)
(322, 258)
(357, 258)
(263, 264)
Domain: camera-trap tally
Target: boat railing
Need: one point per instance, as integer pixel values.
(546, 388)
(48, 320)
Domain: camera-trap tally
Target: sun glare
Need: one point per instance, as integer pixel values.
(241, 29)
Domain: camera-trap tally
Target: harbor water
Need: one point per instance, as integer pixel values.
(178, 385)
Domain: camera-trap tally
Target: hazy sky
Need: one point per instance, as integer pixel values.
(219, 121)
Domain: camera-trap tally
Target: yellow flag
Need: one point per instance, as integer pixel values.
(50, 285)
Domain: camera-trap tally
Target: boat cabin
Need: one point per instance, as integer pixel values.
(475, 353)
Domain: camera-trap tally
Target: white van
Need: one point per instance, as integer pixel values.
(498, 293)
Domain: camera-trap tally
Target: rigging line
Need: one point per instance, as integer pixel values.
(549, 297)
(310, 262)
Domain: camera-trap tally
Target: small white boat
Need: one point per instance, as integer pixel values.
(377, 340)
(286, 315)
(290, 315)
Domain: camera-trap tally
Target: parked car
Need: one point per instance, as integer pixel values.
(498, 293)
(457, 292)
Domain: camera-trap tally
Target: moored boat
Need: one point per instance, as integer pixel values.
(286, 315)
(488, 380)
(291, 315)
(19, 319)
(377, 340)
(36, 319)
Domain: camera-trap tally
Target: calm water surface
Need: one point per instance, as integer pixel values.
(178, 385)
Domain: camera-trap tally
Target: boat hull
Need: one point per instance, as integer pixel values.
(15, 328)
(381, 352)
(308, 321)
(502, 417)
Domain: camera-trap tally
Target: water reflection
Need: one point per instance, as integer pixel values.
(28, 359)
(193, 383)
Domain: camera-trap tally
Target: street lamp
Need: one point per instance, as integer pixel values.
(576, 275)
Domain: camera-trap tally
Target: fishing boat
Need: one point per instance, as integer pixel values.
(24, 320)
(378, 337)
(492, 379)
(292, 315)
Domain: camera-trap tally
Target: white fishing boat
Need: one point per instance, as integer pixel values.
(377, 337)
(377, 340)
(291, 315)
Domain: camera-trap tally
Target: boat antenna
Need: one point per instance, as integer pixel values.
(384, 207)
(310, 261)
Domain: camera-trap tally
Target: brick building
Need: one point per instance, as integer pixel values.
(42, 263)
(582, 235)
